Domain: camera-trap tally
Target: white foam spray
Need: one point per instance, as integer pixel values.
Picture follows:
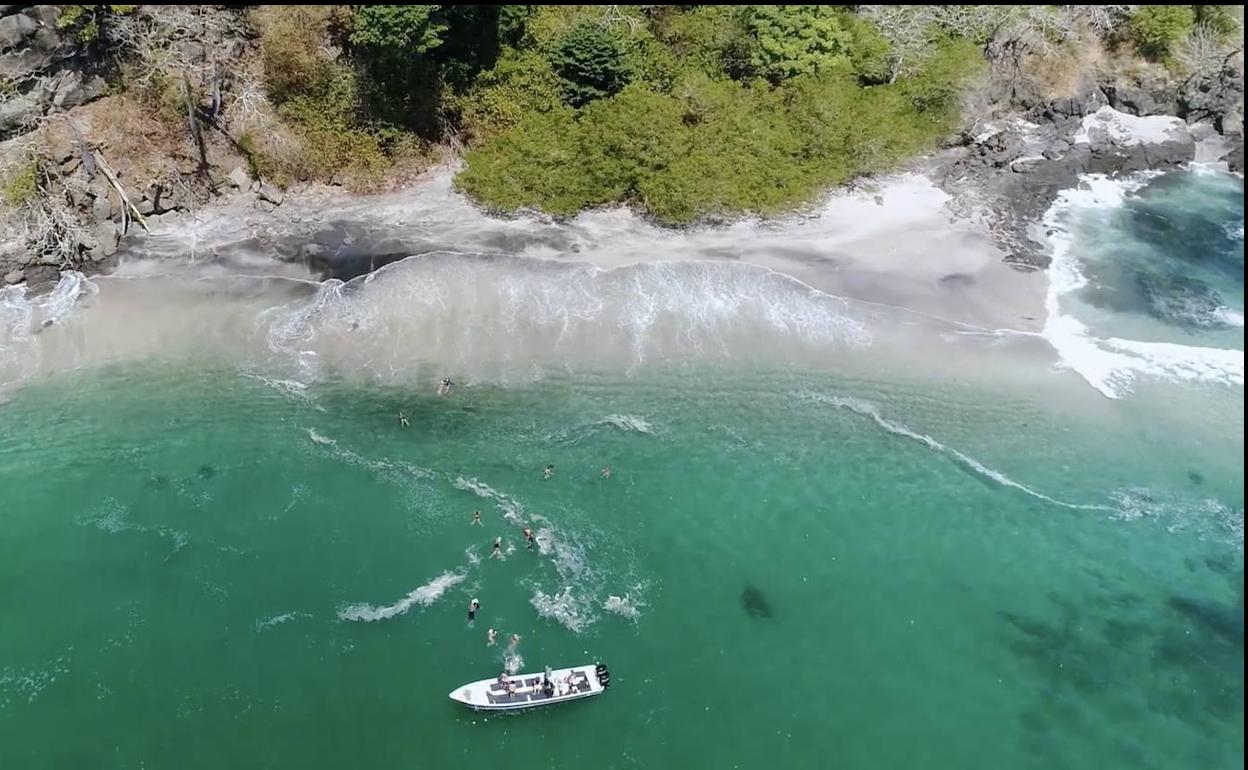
(421, 596)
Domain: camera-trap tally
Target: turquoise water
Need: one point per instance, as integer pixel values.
(832, 536)
(808, 570)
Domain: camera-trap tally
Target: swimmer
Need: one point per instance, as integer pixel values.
(550, 471)
(476, 518)
(515, 640)
(529, 541)
(473, 606)
(445, 386)
(497, 553)
(491, 637)
(403, 419)
(606, 471)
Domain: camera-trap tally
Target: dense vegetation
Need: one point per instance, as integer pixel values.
(683, 112)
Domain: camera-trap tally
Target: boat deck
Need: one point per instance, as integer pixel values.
(529, 690)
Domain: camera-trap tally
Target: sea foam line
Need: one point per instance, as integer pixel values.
(868, 409)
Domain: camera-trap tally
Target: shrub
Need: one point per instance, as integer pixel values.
(1156, 29)
(518, 85)
(22, 186)
(290, 44)
(590, 65)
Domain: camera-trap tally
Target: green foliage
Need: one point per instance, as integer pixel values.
(792, 40)
(1157, 29)
(681, 111)
(398, 30)
(710, 38)
(519, 84)
(714, 147)
(22, 186)
(936, 86)
(869, 53)
(512, 22)
(590, 65)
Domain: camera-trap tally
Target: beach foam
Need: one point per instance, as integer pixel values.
(1111, 364)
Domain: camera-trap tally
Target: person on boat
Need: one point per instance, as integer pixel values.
(497, 553)
(403, 419)
(548, 687)
(550, 471)
(473, 606)
(529, 541)
(476, 518)
(491, 637)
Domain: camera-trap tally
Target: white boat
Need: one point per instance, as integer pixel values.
(522, 691)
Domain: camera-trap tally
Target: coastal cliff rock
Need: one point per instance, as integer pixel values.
(42, 68)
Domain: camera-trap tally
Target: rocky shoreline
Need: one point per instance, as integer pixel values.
(1016, 166)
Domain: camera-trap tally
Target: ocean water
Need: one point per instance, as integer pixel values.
(220, 547)
(1148, 278)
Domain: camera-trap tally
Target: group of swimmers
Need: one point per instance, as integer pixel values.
(444, 388)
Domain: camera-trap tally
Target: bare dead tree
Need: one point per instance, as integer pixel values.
(1104, 20)
(909, 32)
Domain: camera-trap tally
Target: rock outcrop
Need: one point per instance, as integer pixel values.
(41, 68)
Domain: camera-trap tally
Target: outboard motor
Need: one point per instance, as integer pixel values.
(603, 675)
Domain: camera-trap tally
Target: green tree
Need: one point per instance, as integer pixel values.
(1156, 29)
(397, 30)
(590, 65)
(792, 40)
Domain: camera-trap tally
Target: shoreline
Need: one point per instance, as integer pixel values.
(947, 247)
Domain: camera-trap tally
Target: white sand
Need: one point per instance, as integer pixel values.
(897, 243)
